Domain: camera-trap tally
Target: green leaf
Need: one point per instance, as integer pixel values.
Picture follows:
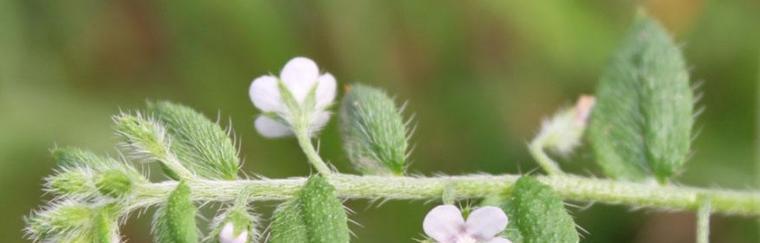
(315, 215)
(539, 214)
(174, 221)
(374, 132)
(643, 117)
(105, 228)
(202, 145)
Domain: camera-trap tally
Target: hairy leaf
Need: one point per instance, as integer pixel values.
(539, 214)
(643, 118)
(315, 215)
(202, 145)
(374, 132)
(174, 222)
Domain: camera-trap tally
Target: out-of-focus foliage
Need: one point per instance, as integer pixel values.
(478, 76)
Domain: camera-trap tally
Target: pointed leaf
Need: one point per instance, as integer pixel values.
(643, 118)
(202, 145)
(374, 132)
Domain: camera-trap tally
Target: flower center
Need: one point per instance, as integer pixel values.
(466, 239)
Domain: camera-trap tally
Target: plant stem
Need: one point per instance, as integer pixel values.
(536, 149)
(574, 188)
(302, 135)
(703, 221)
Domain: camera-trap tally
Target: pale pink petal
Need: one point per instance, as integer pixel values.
(318, 121)
(499, 240)
(325, 93)
(486, 222)
(227, 235)
(271, 128)
(443, 223)
(265, 95)
(300, 75)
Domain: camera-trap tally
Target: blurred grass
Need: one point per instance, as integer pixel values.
(479, 76)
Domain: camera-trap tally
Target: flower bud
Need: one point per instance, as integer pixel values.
(235, 225)
(73, 182)
(563, 132)
(228, 235)
(114, 183)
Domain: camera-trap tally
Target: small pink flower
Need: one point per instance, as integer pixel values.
(445, 224)
(583, 109)
(227, 235)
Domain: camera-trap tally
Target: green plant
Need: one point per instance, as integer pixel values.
(639, 127)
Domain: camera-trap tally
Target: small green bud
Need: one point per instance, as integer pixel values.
(174, 222)
(315, 215)
(70, 182)
(74, 157)
(374, 132)
(59, 218)
(563, 132)
(114, 183)
(145, 139)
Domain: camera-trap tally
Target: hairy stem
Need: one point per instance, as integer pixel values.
(536, 149)
(302, 135)
(703, 221)
(574, 188)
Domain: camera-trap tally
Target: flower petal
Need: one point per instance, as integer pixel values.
(325, 93)
(265, 95)
(443, 223)
(299, 75)
(318, 121)
(484, 223)
(226, 235)
(271, 128)
(499, 240)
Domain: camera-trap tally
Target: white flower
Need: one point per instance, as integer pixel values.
(227, 235)
(445, 225)
(299, 77)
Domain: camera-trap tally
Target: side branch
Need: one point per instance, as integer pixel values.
(471, 186)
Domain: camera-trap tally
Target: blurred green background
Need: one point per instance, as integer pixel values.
(478, 76)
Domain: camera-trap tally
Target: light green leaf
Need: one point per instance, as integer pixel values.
(643, 117)
(374, 133)
(315, 215)
(174, 222)
(202, 145)
(538, 214)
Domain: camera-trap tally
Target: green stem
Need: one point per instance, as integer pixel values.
(637, 195)
(703, 221)
(536, 148)
(302, 135)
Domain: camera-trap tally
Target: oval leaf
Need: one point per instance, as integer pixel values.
(374, 132)
(315, 215)
(175, 220)
(539, 214)
(643, 118)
